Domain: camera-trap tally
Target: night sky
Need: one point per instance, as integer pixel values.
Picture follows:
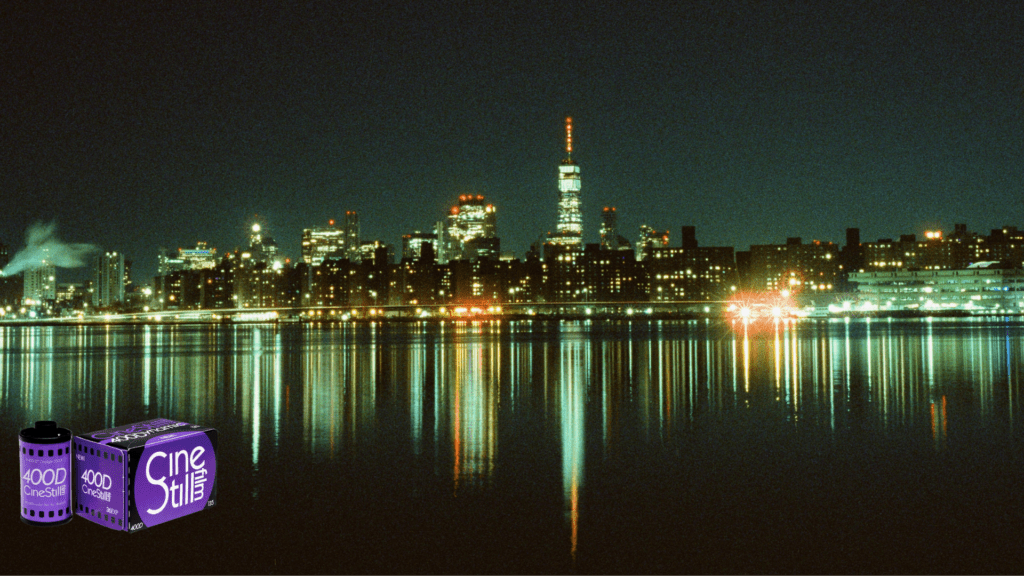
(138, 125)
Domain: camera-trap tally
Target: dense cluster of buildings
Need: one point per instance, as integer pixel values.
(37, 288)
(460, 261)
(954, 268)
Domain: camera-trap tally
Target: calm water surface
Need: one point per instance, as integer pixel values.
(549, 447)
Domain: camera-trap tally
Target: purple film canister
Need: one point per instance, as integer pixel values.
(45, 452)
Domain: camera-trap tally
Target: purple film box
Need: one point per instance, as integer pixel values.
(139, 475)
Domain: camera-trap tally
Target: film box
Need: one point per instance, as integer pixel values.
(139, 475)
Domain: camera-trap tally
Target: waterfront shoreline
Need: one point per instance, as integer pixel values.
(539, 317)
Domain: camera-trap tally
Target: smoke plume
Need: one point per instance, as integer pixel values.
(42, 245)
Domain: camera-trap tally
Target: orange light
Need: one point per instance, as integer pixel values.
(756, 308)
(331, 222)
(568, 134)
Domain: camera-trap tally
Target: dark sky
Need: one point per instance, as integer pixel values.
(136, 125)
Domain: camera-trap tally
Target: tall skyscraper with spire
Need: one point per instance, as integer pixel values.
(569, 231)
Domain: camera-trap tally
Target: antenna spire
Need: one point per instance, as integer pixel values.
(568, 136)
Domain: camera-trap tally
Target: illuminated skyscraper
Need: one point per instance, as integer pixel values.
(262, 248)
(201, 257)
(412, 244)
(650, 238)
(41, 283)
(609, 222)
(472, 229)
(320, 242)
(108, 279)
(570, 217)
(352, 243)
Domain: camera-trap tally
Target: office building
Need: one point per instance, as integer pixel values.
(321, 242)
(412, 244)
(202, 257)
(262, 247)
(650, 238)
(610, 229)
(472, 230)
(981, 287)
(168, 262)
(352, 245)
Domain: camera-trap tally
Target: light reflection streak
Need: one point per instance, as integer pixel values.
(257, 353)
(439, 394)
(278, 376)
(110, 381)
(147, 359)
(5, 364)
(417, 381)
(746, 359)
(574, 375)
(778, 365)
(474, 391)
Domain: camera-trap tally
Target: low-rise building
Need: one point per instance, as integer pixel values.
(981, 287)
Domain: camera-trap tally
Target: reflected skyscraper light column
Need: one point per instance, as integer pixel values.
(868, 345)
(364, 380)
(37, 381)
(573, 379)
(787, 374)
(278, 385)
(5, 365)
(733, 353)
(714, 383)
(692, 378)
(615, 378)
(108, 379)
(929, 343)
(607, 364)
(838, 356)
(847, 360)
(827, 356)
(658, 379)
(324, 387)
(417, 380)
(746, 360)
(147, 358)
(644, 383)
(883, 373)
(938, 421)
(778, 363)
(1011, 381)
(440, 391)
(160, 368)
(735, 369)
(473, 414)
(257, 353)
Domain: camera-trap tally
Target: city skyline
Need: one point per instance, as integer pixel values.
(71, 256)
(138, 128)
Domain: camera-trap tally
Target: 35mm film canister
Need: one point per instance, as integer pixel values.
(45, 452)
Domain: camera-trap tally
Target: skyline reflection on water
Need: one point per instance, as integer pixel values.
(473, 399)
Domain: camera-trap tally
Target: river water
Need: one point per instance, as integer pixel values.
(604, 446)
